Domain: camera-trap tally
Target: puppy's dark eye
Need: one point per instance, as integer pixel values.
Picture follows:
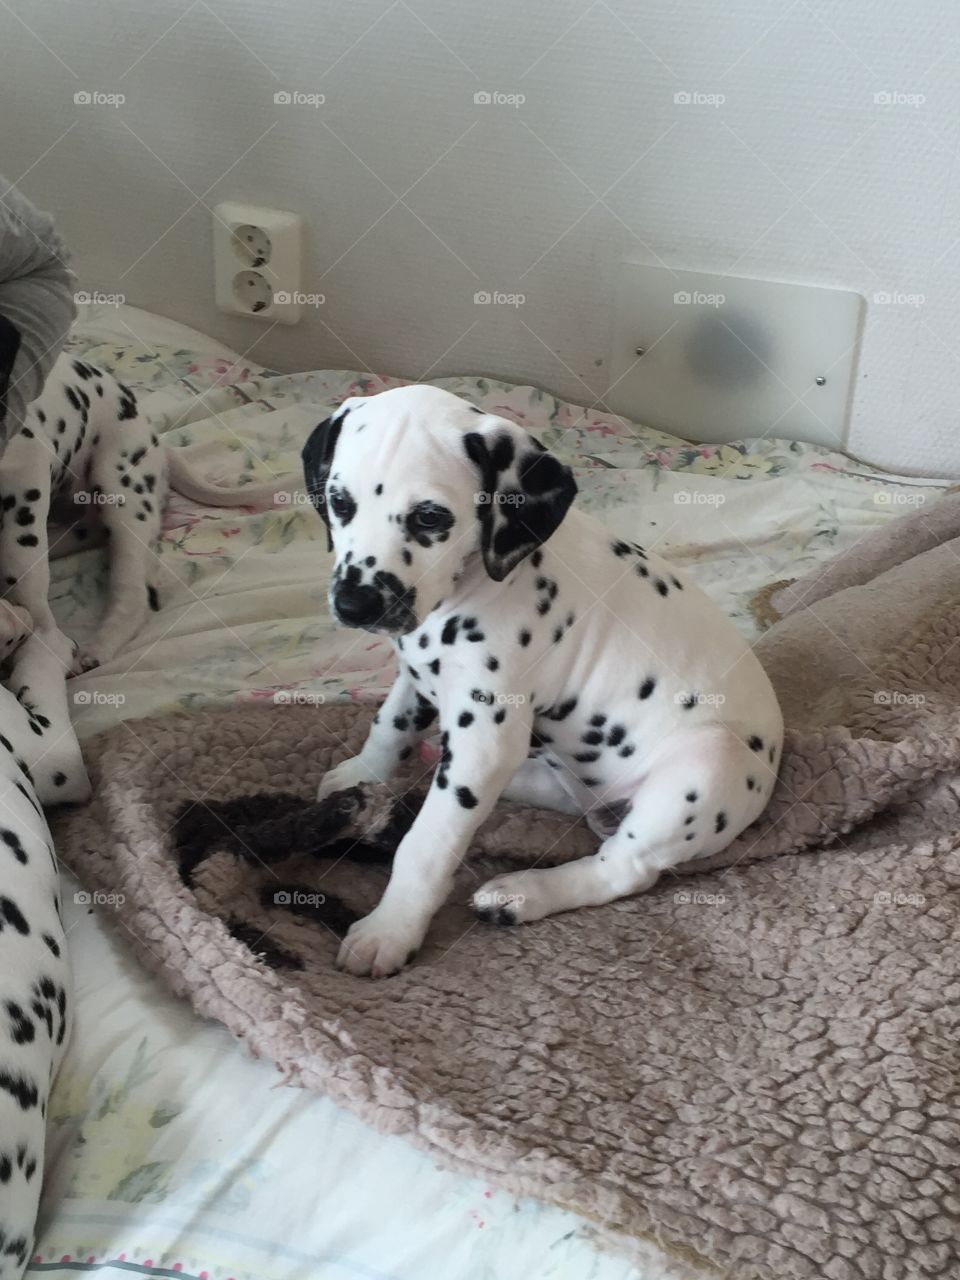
(342, 505)
(429, 517)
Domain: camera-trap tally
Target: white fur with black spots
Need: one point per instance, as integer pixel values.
(568, 668)
(85, 467)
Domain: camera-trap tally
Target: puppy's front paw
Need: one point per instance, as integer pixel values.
(349, 773)
(379, 945)
(505, 900)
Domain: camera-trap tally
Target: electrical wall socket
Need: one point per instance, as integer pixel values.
(257, 262)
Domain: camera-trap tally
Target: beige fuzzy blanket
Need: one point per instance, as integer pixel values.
(756, 1065)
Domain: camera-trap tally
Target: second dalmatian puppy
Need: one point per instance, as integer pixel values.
(569, 669)
(88, 462)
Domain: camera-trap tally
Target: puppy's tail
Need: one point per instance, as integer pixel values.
(191, 484)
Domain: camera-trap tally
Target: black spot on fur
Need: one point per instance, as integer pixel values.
(466, 797)
(524, 638)
(721, 822)
(755, 743)
(562, 710)
(12, 841)
(10, 914)
(424, 715)
(647, 688)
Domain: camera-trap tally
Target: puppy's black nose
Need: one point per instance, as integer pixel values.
(358, 606)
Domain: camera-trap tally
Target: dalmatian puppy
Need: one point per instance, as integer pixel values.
(524, 626)
(40, 764)
(87, 464)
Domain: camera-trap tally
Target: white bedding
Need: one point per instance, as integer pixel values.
(172, 1152)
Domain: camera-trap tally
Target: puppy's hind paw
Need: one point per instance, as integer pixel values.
(496, 903)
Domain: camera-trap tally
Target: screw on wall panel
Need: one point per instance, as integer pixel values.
(820, 380)
(640, 350)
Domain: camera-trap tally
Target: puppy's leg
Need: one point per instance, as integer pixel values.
(41, 732)
(127, 471)
(478, 759)
(399, 724)
(700, 792)
(24, 564)
(132, 559)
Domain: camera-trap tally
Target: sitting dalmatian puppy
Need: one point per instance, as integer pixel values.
(523, 624)
(39, 764)
(88, 462)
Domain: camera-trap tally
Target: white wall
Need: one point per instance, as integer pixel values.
(799, 175)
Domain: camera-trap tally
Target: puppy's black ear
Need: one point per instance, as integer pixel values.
(317, 458)
(524, 494)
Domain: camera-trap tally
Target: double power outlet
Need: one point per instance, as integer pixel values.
(257, 262)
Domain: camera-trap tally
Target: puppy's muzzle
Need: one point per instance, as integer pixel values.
(383, 605)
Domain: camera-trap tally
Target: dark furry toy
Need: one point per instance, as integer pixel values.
(362, 824)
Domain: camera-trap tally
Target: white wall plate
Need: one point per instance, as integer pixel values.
(727, 358)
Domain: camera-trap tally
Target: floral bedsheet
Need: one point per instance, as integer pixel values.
(173, 1154)
(243, 595)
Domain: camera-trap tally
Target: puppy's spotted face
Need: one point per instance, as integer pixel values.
(399, 502)
(414, 482)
